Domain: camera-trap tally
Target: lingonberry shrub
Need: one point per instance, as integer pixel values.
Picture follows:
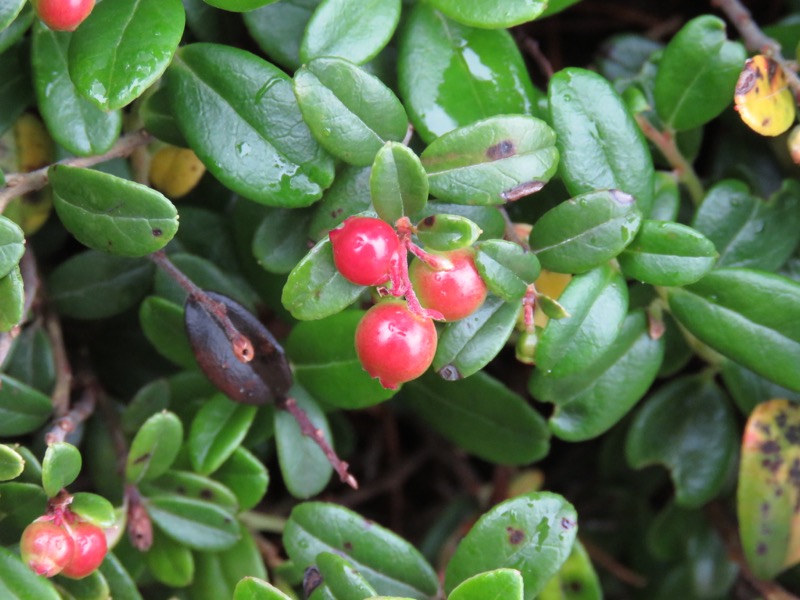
(393, 344)
(90, 548)
(363, 250)
(63, 15)
(46, 548)
(457, 292)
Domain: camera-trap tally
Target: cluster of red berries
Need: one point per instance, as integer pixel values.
(396, 340)
(63, 15)
(62, 543)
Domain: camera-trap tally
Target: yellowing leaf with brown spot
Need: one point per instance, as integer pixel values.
(763, 98)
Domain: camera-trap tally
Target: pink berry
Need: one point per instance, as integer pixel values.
(46, 548)
(456, 292)
(363, 250)
(90, 550)
(63, 15)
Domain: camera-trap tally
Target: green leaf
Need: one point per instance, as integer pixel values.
(259, 145)
(532, 533)
(398, 182)
(60, 467)
(22, 408)
(111, 214)
(154, 448)
(12, 245)
(749, 389)
(494, 161)
(600, 144)
(576, 580)
(666, 198)
(697, 73)
(747, 231)
(348, 196)
(688, 426)
(451, 75)
(245, 476)
(120, 582)
(20, 504)
(194, 523)
(444, 232)
(356, 31)
(506, 268)
(32, 472)
(597, 303)
(144, 35)
(669, 254)
(9, 10)
(250, 588)
(12, 300)
(343, 581)
(148, 400)
(326, 364)
(191, 485)
(216, 431)
(305, 469)
(31, 360)
(482, 416)
(169, 561)
(589, 402)
(279, 243)
(315, 289)
(162, 324)
(16, 92)
(767, 497)
(278, 29)
(73, 121)
(586, 231)
(748, 316)
(485, 13)
(390, 564)
(467, 345)
(91, 587)
(96, 285)
(11, 463)
(239, 5)
(350, 112)
(158, 118)
(499, 583)
(93, 508)
(19, 582)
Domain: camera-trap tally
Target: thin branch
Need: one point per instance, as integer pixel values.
(19, 184)
(534, 50)
(63, 386)
(610, 564)
(80, 412)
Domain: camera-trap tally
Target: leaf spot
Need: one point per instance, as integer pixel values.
(567, 523)
(449, 373)
(143, 458)
(761, 550)
(515, 536)
(157, 232)
(521, 190)
(502, 149)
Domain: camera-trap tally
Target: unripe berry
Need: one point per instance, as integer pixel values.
(394, 344)
(63, 15)
(90, 550)
(456, 292)
(363, 250)
(46, 548)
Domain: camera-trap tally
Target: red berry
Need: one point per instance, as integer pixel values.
(394, 344)
(363, 250)
(456, 292)
(90, 550)
(63, 15)
(46, 548)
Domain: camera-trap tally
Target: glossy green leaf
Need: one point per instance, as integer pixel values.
(597, 303)
(305, 469)
(480, 415)
(767, 497)
(245, 476)
(96, 285)
(148, 400)
(576, 580)
(120, 582)
(31, 360)
(451, 75)
(93, 508)
(11, 463)
(556, 6)
(92, 587)
(467, 345)
(444, 232)
(22, 408)
(9, 10)
(622, 56)
(251, 588)
(600, 144)
(259, 145)
(500, 583)
(12, 245)
(341, 579)
(488, 218)
(326, 364)
(669, 254)
(350, 112)
(748, 316)
(486, 13)
(747, 231)
(666, 198)
(60, 467)
(398, 182)
(158, 118)
(278, 29)
(73, 121)
(191, 485)
(532, 533)
(169, 561)
(162, 324)
(749, 389)
(194, 523)
(348, 196)
(315, 288)
(20, 504)
(239, 5)
(216, 431)
(243, 559)
(144, 35)
(494, 161)
(687, 426)
(12, 300)
(111, 214)
(586, 231)
(390, 564)
(589, 402)
(154, 448)
(356, 31)
(279, 242)
(16, 91)
(697, 73)
(19, 582)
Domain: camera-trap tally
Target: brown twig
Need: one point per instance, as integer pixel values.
(63, 386)
(19, 184)
(80, 412)
(610, 564)
(534, 50)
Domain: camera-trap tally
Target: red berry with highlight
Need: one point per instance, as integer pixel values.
(63, 15)
(393, 344)
(456, 292)
(90, 550)
(46, 548)
(364, 249)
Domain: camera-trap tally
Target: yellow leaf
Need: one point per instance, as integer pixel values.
(763, 98)
(175, 171)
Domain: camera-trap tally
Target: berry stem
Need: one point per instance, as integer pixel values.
(528, 306)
